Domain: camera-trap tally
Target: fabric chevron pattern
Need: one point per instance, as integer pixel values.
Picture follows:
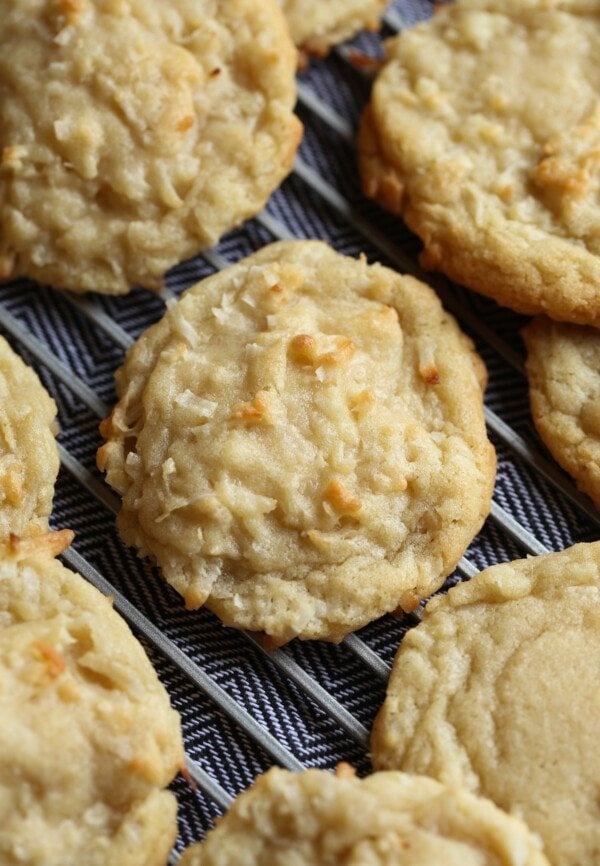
(317, 701)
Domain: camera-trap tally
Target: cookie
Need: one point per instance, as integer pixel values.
(388, 819)
(29, 459)
(483, 132)
(300, 443)
(162, 126)
(563, 368)
(316, 25)
(496, 690)
(88, 740)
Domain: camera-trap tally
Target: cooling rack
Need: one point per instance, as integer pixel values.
(308, 704)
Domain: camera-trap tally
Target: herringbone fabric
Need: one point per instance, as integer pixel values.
(87, 345)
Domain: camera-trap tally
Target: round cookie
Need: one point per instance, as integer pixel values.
(162, 126)
(300, 443)
(316, 25)
(496, 690)
(483, 132)
(29, 459)
(88, 739)
(563, 368)
(388, 819)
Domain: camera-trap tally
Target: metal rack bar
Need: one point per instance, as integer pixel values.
(324, 112)
(123, 339)
(89, 481)
(278, 657)
(191, 670)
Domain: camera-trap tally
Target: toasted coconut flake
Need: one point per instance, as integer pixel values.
(345, 771)
(56, 665)
(341, 498)
(254, 411)
(48, 544)
(303, 349)
(427, 367)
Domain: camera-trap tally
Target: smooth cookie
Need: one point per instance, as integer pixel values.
(496, 690)
(88, 740)
(483, 132)
(563, 368)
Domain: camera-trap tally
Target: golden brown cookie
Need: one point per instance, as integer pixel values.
(388, 819)
(316, 25)
(496, 690)
(563, 368)
(300, 443)
(88, 740)
(28, 454)
(483, 132)
(162, 125)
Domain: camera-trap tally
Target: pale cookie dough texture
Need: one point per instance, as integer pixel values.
(88, 739)
(135, 132)
(300, 443)
(29, 459)
(483, 132)
(388, 819)
(497, 690)
(316, 25)
(563, 368)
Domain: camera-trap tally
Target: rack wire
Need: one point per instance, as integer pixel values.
(245, 708)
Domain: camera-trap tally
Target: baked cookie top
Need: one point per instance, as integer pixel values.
(300, 443)
(88, 739)
(161, 126)
(388, 819)
(28, 454)
(316, 25)
(563, 368)
(484, 132)
(497, 690)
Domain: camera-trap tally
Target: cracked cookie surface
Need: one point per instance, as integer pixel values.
(483, 132)
(88, 739)
(300, 443)
(387, 819)
(162, 126)
(563, 369)
(496, 690)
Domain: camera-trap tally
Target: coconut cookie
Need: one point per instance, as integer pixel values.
(316, 25)
(300, 443)
(497, 690)
(563, 368)
(389, 819)
(162, 126)
(483, 132)
(88, 740)
(28, 454)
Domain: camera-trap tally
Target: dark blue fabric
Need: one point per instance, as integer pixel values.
(224, 751)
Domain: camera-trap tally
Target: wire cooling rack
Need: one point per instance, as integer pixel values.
(308, 704)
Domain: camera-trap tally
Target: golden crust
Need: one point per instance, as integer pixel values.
(500, 180)
(496, 691)
(50, 544)
(316, 25)
(88, 739)
(28, 453)
(387, 819)
(313, 455)
(164, 127)
(563, 368)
